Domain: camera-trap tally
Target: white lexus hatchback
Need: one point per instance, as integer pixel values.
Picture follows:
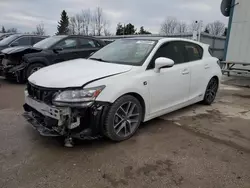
(128, 82)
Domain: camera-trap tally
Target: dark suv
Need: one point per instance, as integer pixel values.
(20, 40)
(22, 62)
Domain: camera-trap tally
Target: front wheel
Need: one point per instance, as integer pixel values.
(211, 91)
(123, 119)
(33, 68)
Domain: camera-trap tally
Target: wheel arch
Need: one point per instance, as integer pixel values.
(140, 99)
(30, 64)
(216, 77)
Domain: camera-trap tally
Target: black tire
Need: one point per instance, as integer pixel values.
(109, 126)
(32, 68)
(211, 91)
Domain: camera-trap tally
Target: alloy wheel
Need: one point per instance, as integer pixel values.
(211, 90)
(126, 119)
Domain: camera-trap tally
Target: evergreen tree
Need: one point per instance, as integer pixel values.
(128, 29)
(143, 31)
(63, 24)
(3, 30)
(119, 29)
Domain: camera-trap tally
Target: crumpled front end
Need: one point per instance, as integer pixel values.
(50, 120)
(12, 67)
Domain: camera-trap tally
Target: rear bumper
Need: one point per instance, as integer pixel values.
(81, 123)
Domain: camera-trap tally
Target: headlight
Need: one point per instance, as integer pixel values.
(78, 95)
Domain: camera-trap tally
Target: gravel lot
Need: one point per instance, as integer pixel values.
(199, 146)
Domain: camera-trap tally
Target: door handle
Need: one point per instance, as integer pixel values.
(207, 66)
(185, 71)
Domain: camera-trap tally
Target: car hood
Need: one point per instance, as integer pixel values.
(75, 73)
(19, 49)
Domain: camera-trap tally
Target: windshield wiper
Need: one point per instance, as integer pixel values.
(98, 59)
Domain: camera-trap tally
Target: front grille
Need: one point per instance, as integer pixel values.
(42, 94)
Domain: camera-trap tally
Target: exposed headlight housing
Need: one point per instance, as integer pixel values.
(77, 97)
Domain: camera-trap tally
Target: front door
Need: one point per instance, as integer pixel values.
(69, 50)
(169, 89)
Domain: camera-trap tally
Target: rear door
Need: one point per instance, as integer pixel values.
(199, 70)
(87, 46)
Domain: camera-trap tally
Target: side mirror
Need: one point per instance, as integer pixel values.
(14, 44)
(163, 62)
(57, 49)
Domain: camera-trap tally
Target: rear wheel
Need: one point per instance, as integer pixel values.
(33, 68)
(123, 119)
(211, 91)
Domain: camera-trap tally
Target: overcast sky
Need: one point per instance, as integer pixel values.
(26, 14)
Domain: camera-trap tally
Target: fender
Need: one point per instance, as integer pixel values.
(42, 60)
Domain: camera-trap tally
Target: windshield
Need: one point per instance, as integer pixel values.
(8, 40)
(125, 51)
(48, 42)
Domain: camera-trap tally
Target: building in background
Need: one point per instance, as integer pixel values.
(237, 47)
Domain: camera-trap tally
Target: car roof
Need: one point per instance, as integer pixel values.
(145, 38)
(164, 39)
(20, 35)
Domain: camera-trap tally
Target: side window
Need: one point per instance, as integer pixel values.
(23, 41)
(36, 39)
(171, 50)
(70, 43)
(193, 51)
(87, 43)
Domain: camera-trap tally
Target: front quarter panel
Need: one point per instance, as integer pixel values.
(119, 85)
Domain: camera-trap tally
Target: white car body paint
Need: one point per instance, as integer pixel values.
(171, 89)
(75, 73)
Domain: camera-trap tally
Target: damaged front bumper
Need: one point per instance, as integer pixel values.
(80, 123)
(11, 71)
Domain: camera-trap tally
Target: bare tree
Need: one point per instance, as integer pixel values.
(79, 23)
(106, 31)
(195, 25)
(11, 30)
(169, 25)
(216, 28)
(93, 24)
(40, 29)
(86, 17)
(76, 24)
(181, 27)
(99, 20)
(89, 23)
(72, 25)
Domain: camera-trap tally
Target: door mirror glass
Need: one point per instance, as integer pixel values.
(163, 62)
(14, 44)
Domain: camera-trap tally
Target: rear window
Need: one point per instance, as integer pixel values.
(194, 51)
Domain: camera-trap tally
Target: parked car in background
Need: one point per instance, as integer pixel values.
(20, 40)
(20, 63)
(15, 41)
(125, 83)
(4, 35)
